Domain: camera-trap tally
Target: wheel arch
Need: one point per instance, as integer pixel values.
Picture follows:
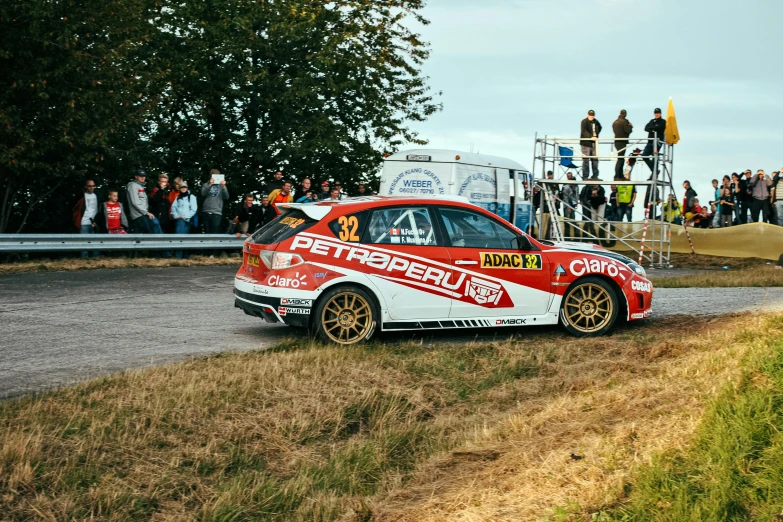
(622, 299)
(346, 284)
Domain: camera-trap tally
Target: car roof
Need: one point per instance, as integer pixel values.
(320, 209)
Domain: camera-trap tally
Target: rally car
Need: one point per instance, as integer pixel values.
(348, 268)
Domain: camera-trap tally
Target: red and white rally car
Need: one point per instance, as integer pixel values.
(344, 269)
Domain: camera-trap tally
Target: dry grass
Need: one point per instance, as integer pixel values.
(758, 276)
(471, 431)
(48, 265)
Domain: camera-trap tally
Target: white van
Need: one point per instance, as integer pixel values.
(490, 182)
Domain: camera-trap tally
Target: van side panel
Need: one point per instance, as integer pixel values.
(406, 178)
(480, 186)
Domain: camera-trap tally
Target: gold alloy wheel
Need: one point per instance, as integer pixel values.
(346, 318)
(589, 307)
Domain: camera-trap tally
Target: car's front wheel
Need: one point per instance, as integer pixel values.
(345, 315)
(589, 308)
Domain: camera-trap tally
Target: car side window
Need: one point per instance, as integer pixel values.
(473, 230)
(349, 228)
(401, 226)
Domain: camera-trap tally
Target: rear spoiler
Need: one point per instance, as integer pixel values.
(316, 212)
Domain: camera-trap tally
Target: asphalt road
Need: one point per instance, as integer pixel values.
(63, 327)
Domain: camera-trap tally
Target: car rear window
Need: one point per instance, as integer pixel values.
(283, 227)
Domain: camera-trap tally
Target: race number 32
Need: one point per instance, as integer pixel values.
(348, 228)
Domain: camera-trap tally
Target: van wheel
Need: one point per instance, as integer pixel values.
(345, 315)
(589, 308)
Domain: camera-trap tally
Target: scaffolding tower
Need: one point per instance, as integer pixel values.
(649, 238)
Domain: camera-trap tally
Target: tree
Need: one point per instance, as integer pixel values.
(317, 89)
(70, 106)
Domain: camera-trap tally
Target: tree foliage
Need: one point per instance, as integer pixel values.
(94, 89)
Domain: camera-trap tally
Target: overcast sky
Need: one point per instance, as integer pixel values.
(511, 68)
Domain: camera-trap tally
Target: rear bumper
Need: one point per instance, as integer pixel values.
(270, 310)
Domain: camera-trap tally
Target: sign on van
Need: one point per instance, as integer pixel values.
(416, 181)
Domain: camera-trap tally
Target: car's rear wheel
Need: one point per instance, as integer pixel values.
(589, 308)
(345, 315)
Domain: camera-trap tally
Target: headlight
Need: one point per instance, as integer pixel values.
(638, 269)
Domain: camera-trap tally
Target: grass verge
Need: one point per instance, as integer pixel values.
(384, 431)
(759, 276)
(733, 470)
(702, 262)
(48, 265)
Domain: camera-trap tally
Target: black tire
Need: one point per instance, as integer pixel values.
(345, 315)
(589, 308)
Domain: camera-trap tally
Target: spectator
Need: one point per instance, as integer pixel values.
(339, 186)
(626, 197)
(159, 201)
(590, 130)
(697, 216)
(690, 195)
(307, 198)
(655, 129)
(248, 217)
(362, 191)
(214, 195)
(84, 213)
(717, 192)
(570, 197)
(325, 191)
(173, 194)
(183, 210)
(746, 200)
(611, 207)
(622, 131)
(777, 196)
(111, 216)
(268, 213)
(671, 211)
(737, 189)
(305, 187)
(142, 220)
(554, 190)
(584, 200)
(726, 205)
(276, 183)
(597, 202)
(759, 186)
(282, 195)
(335, 194)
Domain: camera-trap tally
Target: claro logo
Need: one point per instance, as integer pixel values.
(288, 282)
(580, 267)
(641, 286)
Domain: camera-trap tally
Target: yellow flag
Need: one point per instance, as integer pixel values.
(672, 133)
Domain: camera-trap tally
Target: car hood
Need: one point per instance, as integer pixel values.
(589, 248)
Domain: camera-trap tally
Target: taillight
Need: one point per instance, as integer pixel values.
(266, 257)
(282, 260)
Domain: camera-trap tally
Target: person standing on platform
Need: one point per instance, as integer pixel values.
(622, 131)
(589, 132)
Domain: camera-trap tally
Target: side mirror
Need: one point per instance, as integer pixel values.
(523, 243)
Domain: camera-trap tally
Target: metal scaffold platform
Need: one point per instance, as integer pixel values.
(649, 237)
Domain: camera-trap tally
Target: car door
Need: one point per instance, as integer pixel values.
(413, 267)
(500, 279)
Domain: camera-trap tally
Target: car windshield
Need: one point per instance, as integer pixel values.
(286, 225)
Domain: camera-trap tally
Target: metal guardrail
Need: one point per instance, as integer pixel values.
(116, 242)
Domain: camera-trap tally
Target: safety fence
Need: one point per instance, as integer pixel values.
(760, 240)
(21, 243)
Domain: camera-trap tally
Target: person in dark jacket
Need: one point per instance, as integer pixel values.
(745, 196)
(589, 132)
(248, 216)
(622, 131)
(276, 183)
(267, 211)
(655, 129)
(159, 203)
(689, 197)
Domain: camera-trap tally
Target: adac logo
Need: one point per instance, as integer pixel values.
(483, 292)
(510, 260)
